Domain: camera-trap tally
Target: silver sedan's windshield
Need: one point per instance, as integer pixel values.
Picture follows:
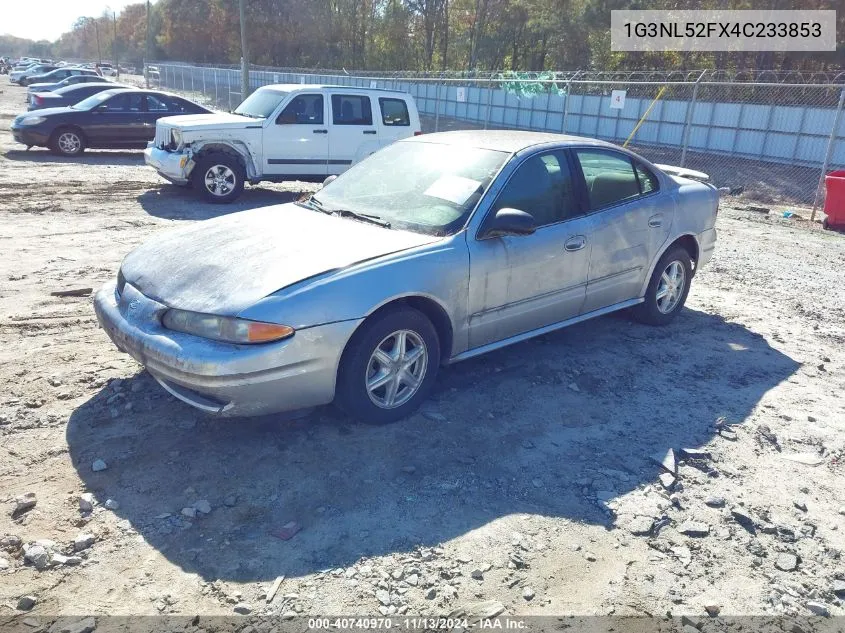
(417, 186)
(261, 103)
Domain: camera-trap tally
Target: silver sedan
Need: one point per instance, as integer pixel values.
(433, 250)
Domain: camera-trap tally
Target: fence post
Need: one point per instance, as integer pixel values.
(216, 98)
(437, 109)
(830, 143)
(688, 118)
(566, 101)
(489, 100)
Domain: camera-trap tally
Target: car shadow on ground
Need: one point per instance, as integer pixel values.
(182, 203)
(89, 157)
(553, 426)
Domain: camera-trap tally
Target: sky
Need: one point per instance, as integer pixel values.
(48, 19)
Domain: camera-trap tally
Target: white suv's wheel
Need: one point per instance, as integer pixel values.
(219, 177)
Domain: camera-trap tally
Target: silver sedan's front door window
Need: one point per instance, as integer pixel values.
(521, 283)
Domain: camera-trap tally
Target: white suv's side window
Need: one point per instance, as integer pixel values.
(306, 109)
(394, 112)
(351, 110)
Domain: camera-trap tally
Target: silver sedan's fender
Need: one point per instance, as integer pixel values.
(436, 275)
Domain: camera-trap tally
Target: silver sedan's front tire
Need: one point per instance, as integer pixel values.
(388, 367)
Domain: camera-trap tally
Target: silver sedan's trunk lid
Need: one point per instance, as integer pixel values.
(224, 265)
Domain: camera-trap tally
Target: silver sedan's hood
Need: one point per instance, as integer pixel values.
(224, 265)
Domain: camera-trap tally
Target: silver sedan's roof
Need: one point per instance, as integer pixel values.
(503, 140)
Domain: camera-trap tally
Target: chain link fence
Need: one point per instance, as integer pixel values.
(768, 137)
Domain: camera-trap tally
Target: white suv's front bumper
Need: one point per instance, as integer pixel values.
(174, 166)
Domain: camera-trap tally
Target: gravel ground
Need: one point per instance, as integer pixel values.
(530, 478)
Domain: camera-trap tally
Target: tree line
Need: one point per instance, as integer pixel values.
(412, 35)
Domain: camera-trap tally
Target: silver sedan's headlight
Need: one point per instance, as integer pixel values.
(32, 120)
(222, 328)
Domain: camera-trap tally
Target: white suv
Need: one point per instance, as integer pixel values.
(280, 132)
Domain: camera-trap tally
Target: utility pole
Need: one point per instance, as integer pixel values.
(147, 48)
(97, 31)
(114, 45)
(244, 55)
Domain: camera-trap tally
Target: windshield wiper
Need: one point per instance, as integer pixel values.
(250, 115)
(317, 205)
(313, 203)
(366, 217)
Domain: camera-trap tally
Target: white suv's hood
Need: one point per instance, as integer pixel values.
(216, 121)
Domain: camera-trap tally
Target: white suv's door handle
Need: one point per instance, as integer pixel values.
(575, 243)
(321, 131)
(369, 131)
(655, 221)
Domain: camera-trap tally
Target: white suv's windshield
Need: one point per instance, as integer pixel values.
(423, 187)
(261, 103)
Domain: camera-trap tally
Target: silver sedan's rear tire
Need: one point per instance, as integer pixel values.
(389, 366)
(668, 288)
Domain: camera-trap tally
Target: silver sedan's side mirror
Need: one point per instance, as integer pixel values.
(510, 222)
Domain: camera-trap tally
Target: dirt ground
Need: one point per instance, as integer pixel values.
(528, 478)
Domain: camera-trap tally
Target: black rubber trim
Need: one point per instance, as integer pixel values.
(306, 161)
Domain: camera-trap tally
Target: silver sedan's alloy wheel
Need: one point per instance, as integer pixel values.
(396, 369)
(670, 289)
(220, 180)
(69, 142)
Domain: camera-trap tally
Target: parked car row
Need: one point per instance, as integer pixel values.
(27, 70)
(121, 117)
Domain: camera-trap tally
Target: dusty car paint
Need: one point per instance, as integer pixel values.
(226, 265)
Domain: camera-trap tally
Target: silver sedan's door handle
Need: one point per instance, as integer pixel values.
(575, 243)
(655, 221)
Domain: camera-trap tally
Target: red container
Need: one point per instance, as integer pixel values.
(834, 200)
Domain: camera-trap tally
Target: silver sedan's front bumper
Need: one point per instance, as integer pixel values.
(222, 378)
(176, 167)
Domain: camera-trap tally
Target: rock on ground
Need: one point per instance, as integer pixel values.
(24, 502)
(83, 542)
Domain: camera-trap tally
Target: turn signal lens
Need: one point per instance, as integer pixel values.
(263, 332)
